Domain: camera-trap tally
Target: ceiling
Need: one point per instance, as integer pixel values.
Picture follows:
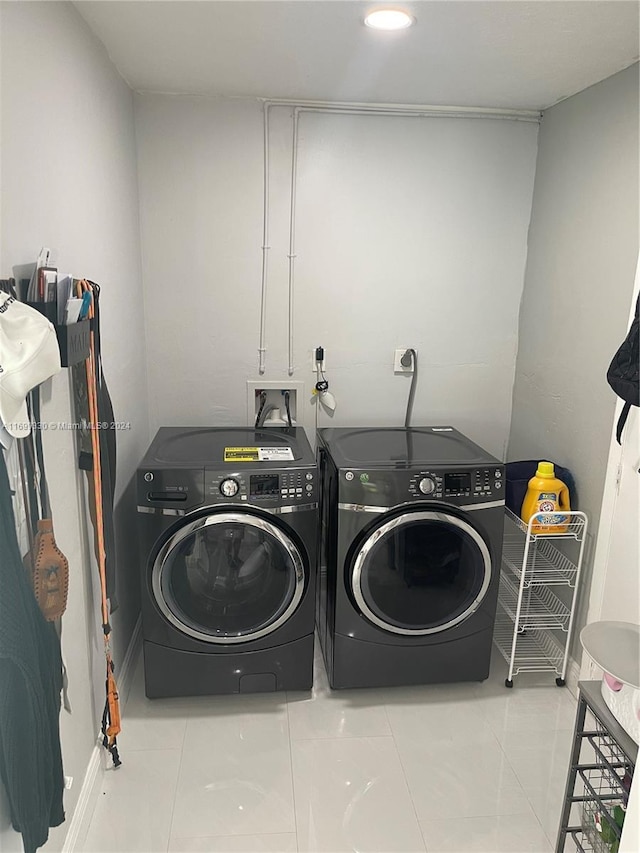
(515, 54)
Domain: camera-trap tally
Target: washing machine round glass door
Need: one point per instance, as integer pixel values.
(228, 577)
(420, 572)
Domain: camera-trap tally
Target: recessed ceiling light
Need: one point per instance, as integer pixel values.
(388, 19)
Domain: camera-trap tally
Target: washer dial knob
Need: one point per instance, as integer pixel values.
(229, 487)
(427, 485)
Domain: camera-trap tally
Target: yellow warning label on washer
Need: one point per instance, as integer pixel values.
(258, 454)
(241, 454)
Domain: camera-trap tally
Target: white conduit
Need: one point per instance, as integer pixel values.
(265, 241)
(344, 108)
(292, 229)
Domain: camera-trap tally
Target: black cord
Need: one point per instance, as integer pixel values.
(412, 390)
(286, 405)
(263, 400)
(263, 414)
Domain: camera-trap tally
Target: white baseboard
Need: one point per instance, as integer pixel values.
(93, 777)
(89, 794)
(573, 676)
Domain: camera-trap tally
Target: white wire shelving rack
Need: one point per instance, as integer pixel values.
(533, 623)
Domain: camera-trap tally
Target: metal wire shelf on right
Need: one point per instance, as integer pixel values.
(530, 613)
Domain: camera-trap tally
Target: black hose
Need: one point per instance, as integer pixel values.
(286, 405)
(263, 400)
(412, 390)
(262, 414)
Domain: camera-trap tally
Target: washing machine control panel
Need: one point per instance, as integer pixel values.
(268, 489)
(180, 491)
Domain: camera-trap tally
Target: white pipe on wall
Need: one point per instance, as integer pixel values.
(265, 241)
(411, 109)
(292, 230)
(345, 108)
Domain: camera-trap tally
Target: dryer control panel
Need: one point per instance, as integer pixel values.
(468, 483)
(457, 485)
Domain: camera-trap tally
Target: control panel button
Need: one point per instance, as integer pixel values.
(229, 487)
(427, 486)
(498, 484)
(309, 476)
(349, 475)
(148, 476)
(497, 474)
(309, 487)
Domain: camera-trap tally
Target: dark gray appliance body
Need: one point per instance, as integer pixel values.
(409, 555)
(227, 522)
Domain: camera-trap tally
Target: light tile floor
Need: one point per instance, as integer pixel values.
(441, 769)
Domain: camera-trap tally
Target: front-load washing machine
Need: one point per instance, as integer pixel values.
(410, 550)
(228, 522)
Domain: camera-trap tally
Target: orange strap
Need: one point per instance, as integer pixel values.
(111, 717)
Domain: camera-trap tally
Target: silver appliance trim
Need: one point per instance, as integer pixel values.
(372, 508)
(394, 524)
(157, 510)
(221, 518)
(363, 508)
(279, 510)
(487, 505)
(285, 510)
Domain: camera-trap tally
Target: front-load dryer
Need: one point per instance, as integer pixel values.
(410, 550)
(228, 523)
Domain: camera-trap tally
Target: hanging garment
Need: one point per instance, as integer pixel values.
(624, 371)
(31, 679)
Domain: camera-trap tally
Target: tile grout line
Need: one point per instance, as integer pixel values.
(342, 738)
(501, 751)
(227, 835)
(175, 795)
(406, 781)
(293, 785)
(528, 798)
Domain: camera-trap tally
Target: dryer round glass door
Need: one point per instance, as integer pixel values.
(228, 577)
(421, 572)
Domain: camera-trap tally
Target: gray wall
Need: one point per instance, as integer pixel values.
(69, 182)
(409, 232)
(583, 247)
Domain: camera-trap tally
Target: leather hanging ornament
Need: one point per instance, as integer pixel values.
(49, 572)
(45, 562)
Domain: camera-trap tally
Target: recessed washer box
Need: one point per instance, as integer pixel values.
(275, 396)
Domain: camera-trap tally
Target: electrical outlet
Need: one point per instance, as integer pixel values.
(318, 366)
(398, 367)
